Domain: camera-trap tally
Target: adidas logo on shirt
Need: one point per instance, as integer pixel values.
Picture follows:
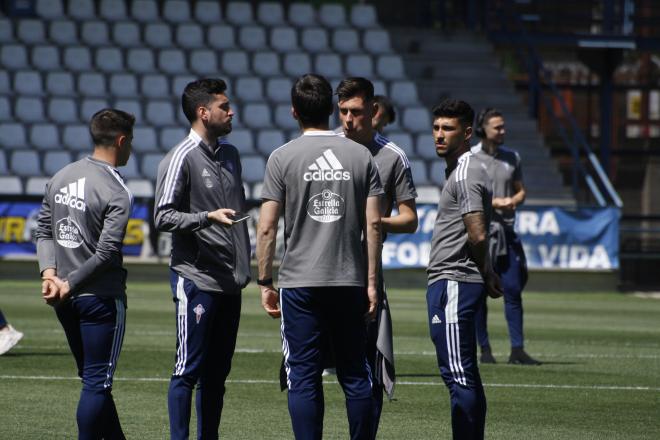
(326, 168)
(436, 320)
(73, 195)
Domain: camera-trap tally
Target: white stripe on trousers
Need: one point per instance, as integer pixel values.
(117, 341)
(453, 333)
(285, 343)
(181, 327)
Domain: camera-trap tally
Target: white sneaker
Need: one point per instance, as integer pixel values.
(329, 372)
(9, 337)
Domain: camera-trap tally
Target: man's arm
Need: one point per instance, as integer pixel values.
(405, 222)
(46, 252)
(266, 241)
(373, 234)
(511, 203)
(475, 223)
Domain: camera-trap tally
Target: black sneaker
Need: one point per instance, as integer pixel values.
(487, 356)
(520, 357)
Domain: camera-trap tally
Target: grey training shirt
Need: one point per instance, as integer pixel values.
(81, 227)
(467, 189)
(322, 181)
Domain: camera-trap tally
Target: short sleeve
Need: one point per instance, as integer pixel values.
(404, 187)
(375, 186)
(471, 188)
(517, 172)
(274, 187)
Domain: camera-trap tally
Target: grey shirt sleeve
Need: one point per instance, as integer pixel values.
(274, 187)
(108, 248)
(44, 235)
(470, 190)
(167, 216)
(404, 187)
(375, 186)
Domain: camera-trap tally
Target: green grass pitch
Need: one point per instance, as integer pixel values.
(600, 378)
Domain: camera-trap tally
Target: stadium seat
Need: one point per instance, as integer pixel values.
(204, 62)
(208, 12)
(158, 35)
(328, 65)
(46, 58)
(379, 87)
(256, 115)
(109, 59)
(284, 39)
(55, 161)
(81, 9)
(91, 84)
(77, 58)
(359, 65)
(176, 11)
(302, 15)
(243, 140)
(249, 88)
(159, 113)
(172, 61)
(76, 137)
(126, 34)
(49, 9)
(123, 85)
(297, 64)
(419, 172)
(5, 109)
(239, 13)
(36, 186)
(140, 188)
(416, 119)
(402, 140)
(91, 106)
(12, 136)
(332, 15)
(346, 41)
(130, 170)
(376, 41)
(29, 109)
(145, 11)
(25, 163)
(235, 63)
(112, 10)
(403, 93)
(425, 146)
(180, 82)
(252, 38)
(6, 31)
(44, 137)
(266, 64)
(170, 136)
(315, 40)
(149, 165)
(31, 31)
(269, 140)
(390, 67)
(60, 84)
(5, 87)
(253, 168)
(14, 57)
(270, 13)
(144, 139)
(438, 168)
(364, 16)
(427, 194)
(10, 185)
(95, 33)
(28, 82)
(278, 90)
(4, 169)
(190, 36)
(283, 117)
(221, 37)
(154, 86)
(140, 60)
(62, 110)
(63, 32)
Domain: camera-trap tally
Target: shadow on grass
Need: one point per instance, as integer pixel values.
(17, 354)
(399, 375)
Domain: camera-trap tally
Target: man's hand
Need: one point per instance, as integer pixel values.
(493, 284)
(54, 289)
(222, 216)
(504, 203)
(270, 301)
(372, 294)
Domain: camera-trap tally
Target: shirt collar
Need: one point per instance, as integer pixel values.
(319, 133)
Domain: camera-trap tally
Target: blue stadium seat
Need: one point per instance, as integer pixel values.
(190, 36)
(425, 146)
(239, 13)
(45, 137)
(144, 139)
(359, 65)
(270, 13)
(390, 67)
(302, 15)
(5, 87)
(81, 9)
(172, 61)
(235, 63)
(76, 137)
(5, 109)
(95, 33)
(91, 106)
(269, 140)
(12, 136)
(63, 110)
(278, 90)
(60, 83)
(221, 37)
(180, 82)
(10, 185)
(123, 85)
(55, 161)
(252, 38)
(29, 109)
(25, 163)
(253, 168)
(208, 12)
(402, 140)
(329, 65)
(109, 59)
(144, 11)
(403, 93)
(63, 32)
(256, 115)
(36, 186)
(437, 174)
(49, 9)
(92, 84)
(160, 113)
(204, 62)
(154, 86)
(112, 10)
(284, 39)
(140, 188)
(416, 119)
(28, 83)
(419, 172)
(364, 16)
(315, 40)
(243, 140)
(332, 15)
(170, 136)
(297, 64)
(126, 34)
(3, 163)
(176, 11)
(266, 64)
(149, 165)
(31, 31)
(346, 41)
(158, 35)
(283, 117)
(77, 59)
(377, 41)
(46, 58)
(6, 31)
(140, 60)
(14, 56)
(379, 87)
(130, 170)
(249, 89)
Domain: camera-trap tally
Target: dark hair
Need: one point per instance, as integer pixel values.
(384, 103)
(198, 94)
(351, 87)
(483, 117)
(454, 108)
(109, 123)
(311, 97)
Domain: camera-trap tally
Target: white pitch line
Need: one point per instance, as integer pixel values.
(404, 383)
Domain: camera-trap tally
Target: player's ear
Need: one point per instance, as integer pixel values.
(468, 133)
(202, 113)
(294, 113)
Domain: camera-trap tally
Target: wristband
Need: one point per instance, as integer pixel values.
(266, 282)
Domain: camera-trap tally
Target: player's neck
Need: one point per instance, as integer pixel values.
(208, 138)
(320, 127)
(106, 155)
(489, 147)
(452, 158)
